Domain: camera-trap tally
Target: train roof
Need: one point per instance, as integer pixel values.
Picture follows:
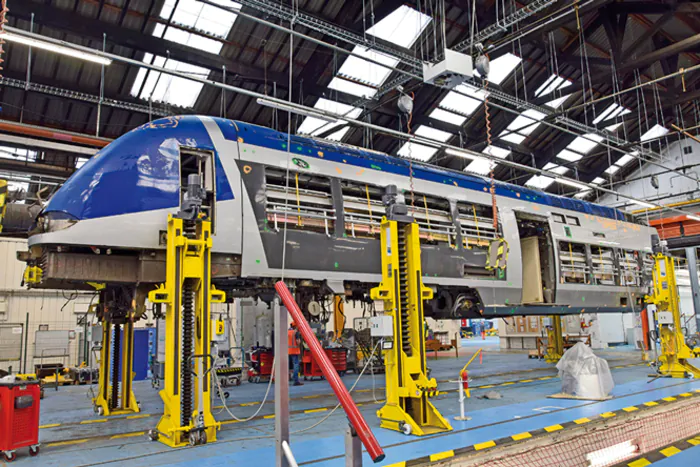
(330, 150)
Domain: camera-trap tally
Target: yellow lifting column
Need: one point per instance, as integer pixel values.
(408, 387)
(115, 395)
(674, 351)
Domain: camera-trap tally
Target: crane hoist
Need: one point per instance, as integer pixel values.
(664, 304)
(115, 311)
(408, 386)
(187, 294)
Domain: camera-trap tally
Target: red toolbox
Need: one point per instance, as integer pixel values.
(19, 418)
(339, 358)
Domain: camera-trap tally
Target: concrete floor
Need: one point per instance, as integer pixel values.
(74, 436)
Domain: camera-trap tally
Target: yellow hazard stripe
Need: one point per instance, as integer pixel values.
(486, 445)
(521, 436)
(442, 455)
(67, 443)
(53, 425)
(98, 420)
(128, 435)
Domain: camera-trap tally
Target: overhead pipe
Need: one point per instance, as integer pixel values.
(48, 133)
(356, 419)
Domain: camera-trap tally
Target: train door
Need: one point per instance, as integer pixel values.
(537, 254)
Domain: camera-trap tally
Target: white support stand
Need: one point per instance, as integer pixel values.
(281, 374)
(461, 417)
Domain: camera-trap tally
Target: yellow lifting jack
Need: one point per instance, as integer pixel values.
(664, 305)
(408, 387)
(187, 294)
(115, 395)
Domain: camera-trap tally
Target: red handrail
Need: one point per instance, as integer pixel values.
(356, 419)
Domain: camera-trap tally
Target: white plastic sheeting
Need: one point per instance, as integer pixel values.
(583, 374)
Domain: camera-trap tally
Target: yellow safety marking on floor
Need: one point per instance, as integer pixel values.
(398, 464)
(311, 397)
(507, 384)
(581, 421)
(128, 435)
(526, 381)
(521, 436)
(669, 399)
(269, 416)
(694, 441)
(133, 417)
(442, 455)
(639, 463)
(630, 409)
(670, 451)
(651, 403)
(53, 425)
(486, 445)
(442, 393)
(248, 404)
(67, 443)
(697, 390)
(486, 387)
(97, 420)
(685, 394)
(322, 409)
(228, 422)
(552, 428)
(359, 404)
(545, 378)
(363, 390)
(608, 414)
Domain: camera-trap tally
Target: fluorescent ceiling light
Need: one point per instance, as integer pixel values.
(571, 183)
(613, 454)
(295, 110)
(693, 218)
(644, 204)
(59, 49)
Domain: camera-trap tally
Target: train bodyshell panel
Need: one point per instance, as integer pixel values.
(121, 198)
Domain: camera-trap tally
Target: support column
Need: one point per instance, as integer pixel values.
(281, 374)
(691, 256)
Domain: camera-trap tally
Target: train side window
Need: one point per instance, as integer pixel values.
(476, 222)
(303, 203)
(433, 217)
(571, 220)
(604, 270)
(558, 218)
(573, 265)
(363, 209)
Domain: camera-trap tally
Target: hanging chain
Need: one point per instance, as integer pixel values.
(3, 21)
(492, 175)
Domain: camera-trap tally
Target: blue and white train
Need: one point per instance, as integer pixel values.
(106, 224)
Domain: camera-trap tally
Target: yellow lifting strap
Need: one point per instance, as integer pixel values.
(501, 259)
(369, 208)
(571, 258)
(427, 216)
(296, 181)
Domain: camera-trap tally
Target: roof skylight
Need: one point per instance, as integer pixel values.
(598, 181)
(553, 83)
(569, 155)
(655, 132)
(502, 67)
(316, 126)
(539, 181)
(420, 151)
(460, 103)
(519, 129)
(361, 78)
(585, 144)
(449, 117)
(157, 86)
(612, 111)
(557, 169)
(174, 90)
(482, 166)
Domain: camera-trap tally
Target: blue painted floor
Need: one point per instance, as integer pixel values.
(687, 458)
(523, 407)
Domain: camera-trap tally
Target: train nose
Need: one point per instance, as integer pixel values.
(137, 172)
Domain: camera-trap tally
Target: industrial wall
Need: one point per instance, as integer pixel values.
(673, 188)
(45, 321)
